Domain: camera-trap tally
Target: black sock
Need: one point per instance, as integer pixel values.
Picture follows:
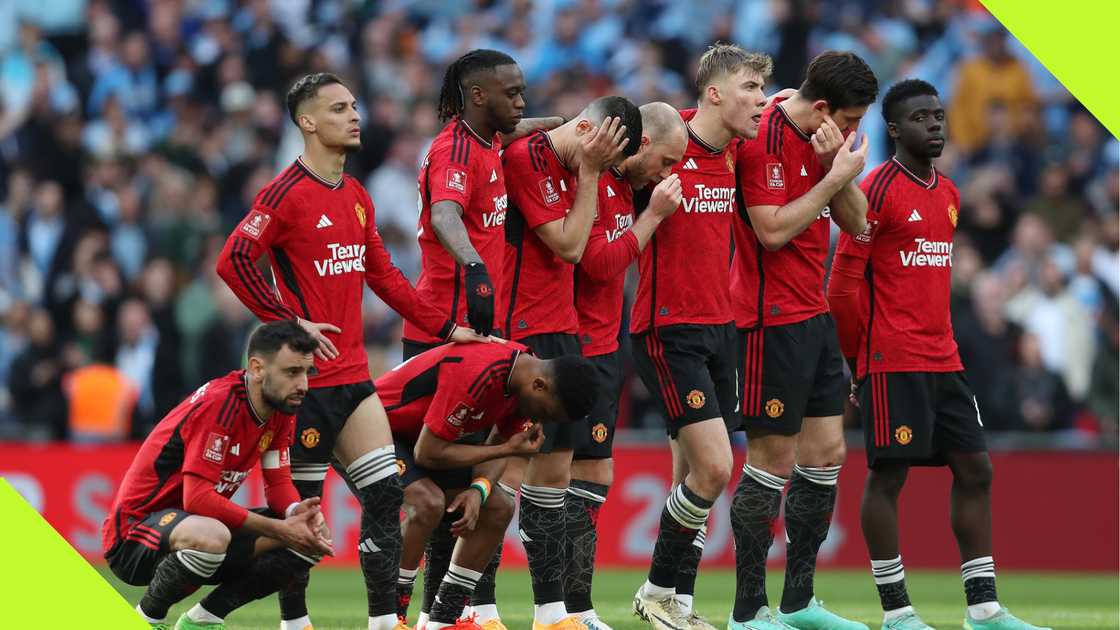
(437, 557)
(544, 533)
(979, 575)
(293, 596)
(809, 504)
(581, 513)
(754, 508)
(890, 580)
(690, 563)
(685, 512)
(379, 545)
(484, 592)
(266, 574)
(454, 594)
(178, 575)
(405, 584)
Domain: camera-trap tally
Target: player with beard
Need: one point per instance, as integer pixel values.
(172, 525)
(889, 293)
(795, 178)
(617, 239)
(461, 235)
(316, 225)
(683, 329)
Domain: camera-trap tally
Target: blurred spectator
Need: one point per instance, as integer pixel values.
(226, 336)
(35, 382)
(1062, 211)
(136, 356)
(994, 76)
(987, 343)
(1036, 396)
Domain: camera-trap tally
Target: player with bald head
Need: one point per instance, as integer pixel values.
(617, 239)
(552, 179)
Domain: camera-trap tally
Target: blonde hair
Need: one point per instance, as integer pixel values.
(722, 58)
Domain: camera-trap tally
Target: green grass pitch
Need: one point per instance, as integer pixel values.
(1062, 601)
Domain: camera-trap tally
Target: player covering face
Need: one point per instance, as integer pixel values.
(890, 298)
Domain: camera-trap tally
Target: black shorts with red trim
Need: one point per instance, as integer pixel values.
(917, 417)
(691, 368)
(135, 557)
(558, 435)
(321, 417)
(446, 479)
(604, 415)
(789, 373)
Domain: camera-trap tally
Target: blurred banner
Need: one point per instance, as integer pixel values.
(1052, 510)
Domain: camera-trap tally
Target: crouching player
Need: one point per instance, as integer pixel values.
(172, 525)
(437, 397)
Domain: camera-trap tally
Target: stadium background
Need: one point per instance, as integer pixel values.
(134, 134)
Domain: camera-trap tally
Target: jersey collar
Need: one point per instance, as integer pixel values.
(509, 377)
(313, 175)
(700, 141)
(253, 410)
(789, 121)
(928, 185)
(486, 143)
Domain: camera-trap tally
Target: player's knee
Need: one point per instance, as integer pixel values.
(425, 504)
(498, 511)
(975, 475)
(711, 475)
(886, 481)
(203, 534)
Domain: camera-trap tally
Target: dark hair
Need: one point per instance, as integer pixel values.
(451, 98)
(576, 385)
(268, 338)
(841, 79)
(901, 91)
(628, 113)
(306, 88)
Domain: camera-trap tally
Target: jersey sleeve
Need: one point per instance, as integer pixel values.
(205, 442)
(604, 259)
(258, 231)
(536, 193)
(390, 285)
(448, 178)
(847, 284)
(762, 176)
(449, 409)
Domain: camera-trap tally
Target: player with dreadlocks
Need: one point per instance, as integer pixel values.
(461, 236)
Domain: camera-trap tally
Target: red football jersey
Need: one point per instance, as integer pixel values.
(538, 283)
(214, 434)
(788, 284)
(908, 249)
(454, 389)
(464, 168)
(322, 242)
(601, 272)
(684, 268)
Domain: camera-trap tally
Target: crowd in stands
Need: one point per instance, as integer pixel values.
(134, 135)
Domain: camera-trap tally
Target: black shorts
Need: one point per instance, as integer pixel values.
(445, 479)
(789, 373)
(691, 368)
(604, 415)
(321, 417)
(917, 417)
(136, 556)
(558, 435)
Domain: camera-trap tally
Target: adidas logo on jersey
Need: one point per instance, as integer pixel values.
(236, 450)
(493, 175)
(804, 173)
(914, 216)
(323, 222)
(690, 165)
(610, 191)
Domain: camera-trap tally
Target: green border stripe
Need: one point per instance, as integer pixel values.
(1073, 41)
(51, 585)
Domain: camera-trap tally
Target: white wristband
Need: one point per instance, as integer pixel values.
(291, 508)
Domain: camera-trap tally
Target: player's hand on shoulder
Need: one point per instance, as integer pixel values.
(666, 197)
(470, 502)
(601, 148)
(526, 442)
(327, 349)
(849, 160)
(462, 334)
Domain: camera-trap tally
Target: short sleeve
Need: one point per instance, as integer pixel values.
(448, 180)
(536, 193)
(762, 176)
(450, 411)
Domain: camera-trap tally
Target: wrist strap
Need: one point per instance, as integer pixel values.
(482, 484)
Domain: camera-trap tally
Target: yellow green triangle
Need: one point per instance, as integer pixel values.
(46, 583)
(1072, 41)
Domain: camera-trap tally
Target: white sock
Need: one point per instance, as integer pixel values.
(143, 614)
(550, 613)
(201, 615)
(435, 625)
(657, 592)
(295, 624)
(422, 620)
(484, 613)
(891, 615)
(383, 622)
(686, 603)
(983, 610)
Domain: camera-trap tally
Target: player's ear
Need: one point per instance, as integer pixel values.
(539, 384)
(583, 126)
(713, 95)
(645, 140)
(255, 368)
(892, 130)
(477, 95)
(306, 123)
